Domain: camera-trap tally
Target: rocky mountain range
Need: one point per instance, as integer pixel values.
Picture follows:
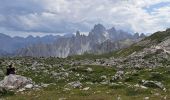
(9, 45)
(99, 40)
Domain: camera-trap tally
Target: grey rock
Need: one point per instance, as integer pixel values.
(76, 84)
(118, 75)
(29, 86)
(86, 88)
(89, 69)
(153, 84)
(15, 82)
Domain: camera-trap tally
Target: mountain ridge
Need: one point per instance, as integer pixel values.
(11, 44)
(80, 44)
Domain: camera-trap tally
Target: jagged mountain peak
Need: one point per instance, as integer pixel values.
(98, 29)
(30, 37)
(142, 35)
(98, 26)
(78, 34)
(112, 29)
(136, 35)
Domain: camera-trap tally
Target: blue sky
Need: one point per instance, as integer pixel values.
(41, 17)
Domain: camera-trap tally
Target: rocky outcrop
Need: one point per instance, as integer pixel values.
(14, 82)
(153, 84)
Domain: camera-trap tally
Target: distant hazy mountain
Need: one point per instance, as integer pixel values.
(99, 40)
(10, 44)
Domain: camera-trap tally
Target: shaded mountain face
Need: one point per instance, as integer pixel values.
(10, 44)
(100, 40)
(98, 33)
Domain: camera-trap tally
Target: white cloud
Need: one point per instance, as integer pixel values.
(58, 16)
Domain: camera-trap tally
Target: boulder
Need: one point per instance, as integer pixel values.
(12, 82)
(153, 84)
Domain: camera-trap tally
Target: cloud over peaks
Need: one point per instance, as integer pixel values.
(65, 16)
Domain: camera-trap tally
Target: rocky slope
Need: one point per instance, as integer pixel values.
(100, 40)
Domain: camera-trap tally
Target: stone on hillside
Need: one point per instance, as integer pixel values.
(120, 72)
(76, 84)
(29, 86)
(104, 82)
(86, 88)
(89, 83)
(118, 75)
(44, 85)
(15, 82)
(60, 74)
(66, 89)
(146, 98)
(62, 98)
(153, 84)
(141, 86)
(34, 65)
(21, 90)
(89, 69)
(103, 77)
